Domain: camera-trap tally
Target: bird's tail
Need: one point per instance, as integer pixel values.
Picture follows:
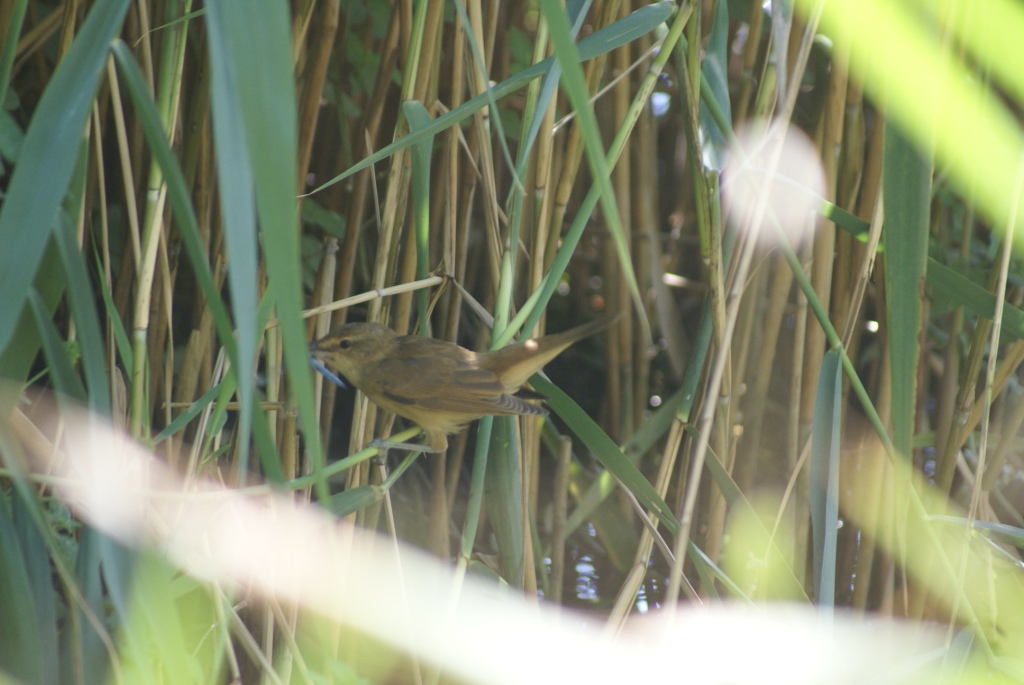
(516, 363)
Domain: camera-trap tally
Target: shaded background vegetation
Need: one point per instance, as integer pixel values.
(157, 268)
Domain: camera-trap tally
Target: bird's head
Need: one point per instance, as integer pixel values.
(348, 349)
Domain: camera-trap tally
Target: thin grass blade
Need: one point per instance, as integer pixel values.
(21, 653)
(907, 183)
(826, 433)
(503, 498)
(87, 321)
(418, 118)
(715, 72)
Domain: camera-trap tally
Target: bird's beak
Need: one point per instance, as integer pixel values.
(314, 361)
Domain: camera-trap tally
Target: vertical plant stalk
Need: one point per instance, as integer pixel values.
(131, 206)
(326, 275)
(104, 249)
(453, 262)
(152, 226)
(454, 240)
(313, 84)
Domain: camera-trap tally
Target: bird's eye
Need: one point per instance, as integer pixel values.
(345, 344)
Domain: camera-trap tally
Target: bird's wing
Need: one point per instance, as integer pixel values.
(444, 379)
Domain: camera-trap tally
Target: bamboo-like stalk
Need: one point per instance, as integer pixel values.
(152, 224)
(796, 437)
(312, 85)
(326, 275)
(748, 79)
(645, 219)
(620, 350)
(484, 157)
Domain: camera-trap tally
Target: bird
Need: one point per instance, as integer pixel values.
(438, 385)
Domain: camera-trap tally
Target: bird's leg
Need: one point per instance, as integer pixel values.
(407, 446)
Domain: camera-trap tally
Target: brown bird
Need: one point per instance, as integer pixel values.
(436, 384)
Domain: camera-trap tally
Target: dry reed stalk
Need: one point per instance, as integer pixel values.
(619, 386)
(646, 222)
(326, 275)
(314, 76)
(796, 438)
